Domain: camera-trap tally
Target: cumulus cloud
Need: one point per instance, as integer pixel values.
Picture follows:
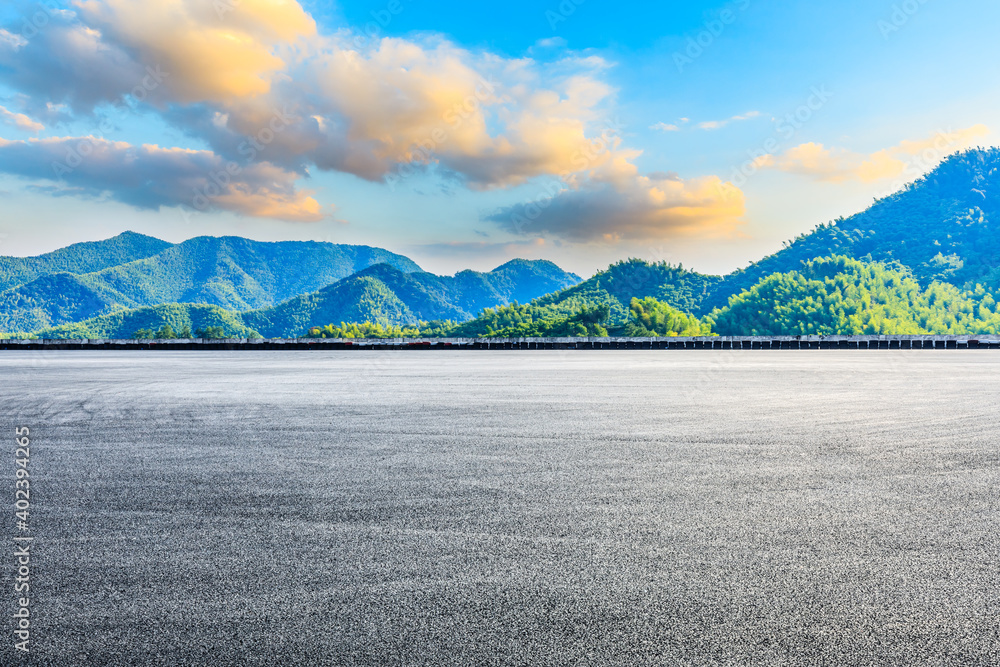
(665, 127)
(262, 87)
(618, 204)
(20, 121)
(213, 51)
(68, 63)
(150, 177)
(363, 107)
(838, 165)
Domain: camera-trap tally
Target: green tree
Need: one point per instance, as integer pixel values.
(653, 318)
(838, 295)
(166, 332)
(210, 333)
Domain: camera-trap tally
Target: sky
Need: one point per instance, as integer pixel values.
(467, 134)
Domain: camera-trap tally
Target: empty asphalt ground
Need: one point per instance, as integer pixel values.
(508, 508)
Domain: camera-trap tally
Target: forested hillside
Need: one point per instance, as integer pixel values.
(380, 294)
(634, 278)
(234, 273)
(943, 227)
(52, 300)
(79, 258)
(646, 317)
(838, 295)
(179, 317)
(237, 273)
(832, 295)
(385, 295)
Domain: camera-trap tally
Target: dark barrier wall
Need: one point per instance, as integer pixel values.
(704, 343)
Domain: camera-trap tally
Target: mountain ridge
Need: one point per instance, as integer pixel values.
(944, 228)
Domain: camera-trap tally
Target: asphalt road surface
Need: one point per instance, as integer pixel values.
(506, 508)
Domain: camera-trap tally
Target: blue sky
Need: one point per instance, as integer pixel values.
(697, 132)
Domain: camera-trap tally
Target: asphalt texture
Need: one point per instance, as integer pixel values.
(507, 508)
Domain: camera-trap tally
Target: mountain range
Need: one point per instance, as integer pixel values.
(279, 289)
(941, 230)
(133, 271)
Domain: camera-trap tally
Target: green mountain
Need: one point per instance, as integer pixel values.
(124, 324)
(613, 292)
(633, 279)
(52, 300)
(237, 273)
(838, 295)
(933, 249)
(380, 293)
(234, 273)
(943, 227)
(80, 258)
(386, 295)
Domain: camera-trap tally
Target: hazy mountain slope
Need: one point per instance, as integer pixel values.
(360, 298)
(518, 280)
(79, 258)
(231, 270)
(383, 293)
(240, 274)
(124, 324)
(235, 273)
(945, 226)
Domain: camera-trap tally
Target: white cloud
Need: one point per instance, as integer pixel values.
(551, 43)
(11, 41)
(717, 124)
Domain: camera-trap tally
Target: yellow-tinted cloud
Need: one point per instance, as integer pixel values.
(838, 165)
(211, 51)
(255, 81)
(20, 121)
(616, 204)
(361, 110)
